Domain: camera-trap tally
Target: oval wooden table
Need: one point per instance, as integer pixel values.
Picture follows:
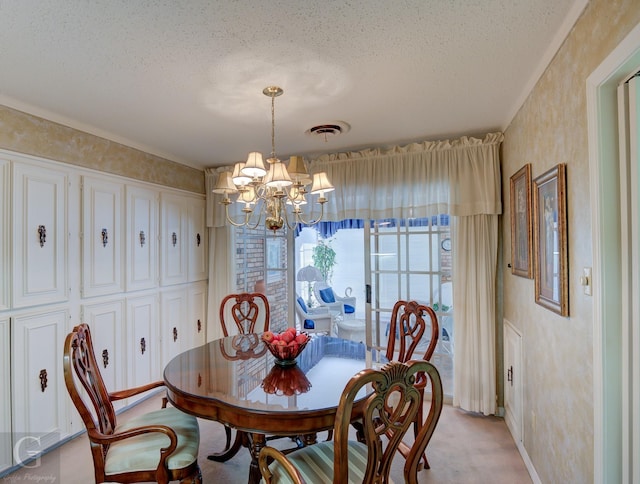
(234, 380)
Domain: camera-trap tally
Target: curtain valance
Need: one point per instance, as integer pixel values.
(459, 177)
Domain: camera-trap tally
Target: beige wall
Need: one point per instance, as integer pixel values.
(45, 139)
(551, 128)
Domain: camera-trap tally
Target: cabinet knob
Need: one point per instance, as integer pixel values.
(105, 237)
(199, 325)
(105, 358)
(174, 238)
(42, 234)
(143, 346)
(175, 334)
(142, 238)
(43, 379)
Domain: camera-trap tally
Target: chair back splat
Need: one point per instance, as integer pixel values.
(160, 446)
(408, 326)
(386, 414)
(249, 311)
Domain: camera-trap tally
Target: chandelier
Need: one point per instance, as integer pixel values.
(276, 194)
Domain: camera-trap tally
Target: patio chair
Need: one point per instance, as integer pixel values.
(313, 320)
(344, 306)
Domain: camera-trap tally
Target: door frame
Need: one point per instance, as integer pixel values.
(612, 460)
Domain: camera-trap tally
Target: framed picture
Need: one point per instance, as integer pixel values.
(521, 264)
(550, 240)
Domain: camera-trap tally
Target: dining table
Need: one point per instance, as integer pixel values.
(236, 381)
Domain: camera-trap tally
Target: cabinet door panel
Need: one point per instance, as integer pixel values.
(40, 399)
(172, 242)
(102, 237)
(144, 347)
(142, 239)
(106, 323)
(197, 249)
(175, 327)
(197, 314)
(40, 235)
(5, 397)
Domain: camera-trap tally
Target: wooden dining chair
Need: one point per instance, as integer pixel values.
(389, 411)
(249, 311)
(160, 446)
(408, 331)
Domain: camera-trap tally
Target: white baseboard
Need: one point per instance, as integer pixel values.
(529, 465)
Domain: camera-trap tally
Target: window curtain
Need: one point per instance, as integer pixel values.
(458, 177)
(221, 266)
(475, 242)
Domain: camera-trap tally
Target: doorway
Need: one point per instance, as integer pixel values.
(615, 240)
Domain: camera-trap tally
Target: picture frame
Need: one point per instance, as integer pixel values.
(550, 240)
(521, 226)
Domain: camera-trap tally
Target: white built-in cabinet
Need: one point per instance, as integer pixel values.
(513, 385)
(126, 257)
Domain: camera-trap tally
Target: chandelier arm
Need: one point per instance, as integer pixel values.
(233, 222)
(299, 218)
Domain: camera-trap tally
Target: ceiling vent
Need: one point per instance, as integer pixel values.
(329, 130)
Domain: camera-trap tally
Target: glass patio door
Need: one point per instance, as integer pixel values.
(410, 260)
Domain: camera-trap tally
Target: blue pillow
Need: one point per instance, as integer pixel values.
(348, 309)
(327, 295)
(302, 304)
(309, 324)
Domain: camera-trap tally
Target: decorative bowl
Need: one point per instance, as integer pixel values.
(286, 346)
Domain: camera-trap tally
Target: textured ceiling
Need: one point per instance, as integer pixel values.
(184, 79)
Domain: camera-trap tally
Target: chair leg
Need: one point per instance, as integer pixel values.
(195, 479)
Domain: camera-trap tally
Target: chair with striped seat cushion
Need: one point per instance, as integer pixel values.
(389, 411)
(160, 446)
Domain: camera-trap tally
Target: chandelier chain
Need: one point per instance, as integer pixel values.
(273, 127)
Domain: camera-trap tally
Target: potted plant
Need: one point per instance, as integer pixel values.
(324, 259)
